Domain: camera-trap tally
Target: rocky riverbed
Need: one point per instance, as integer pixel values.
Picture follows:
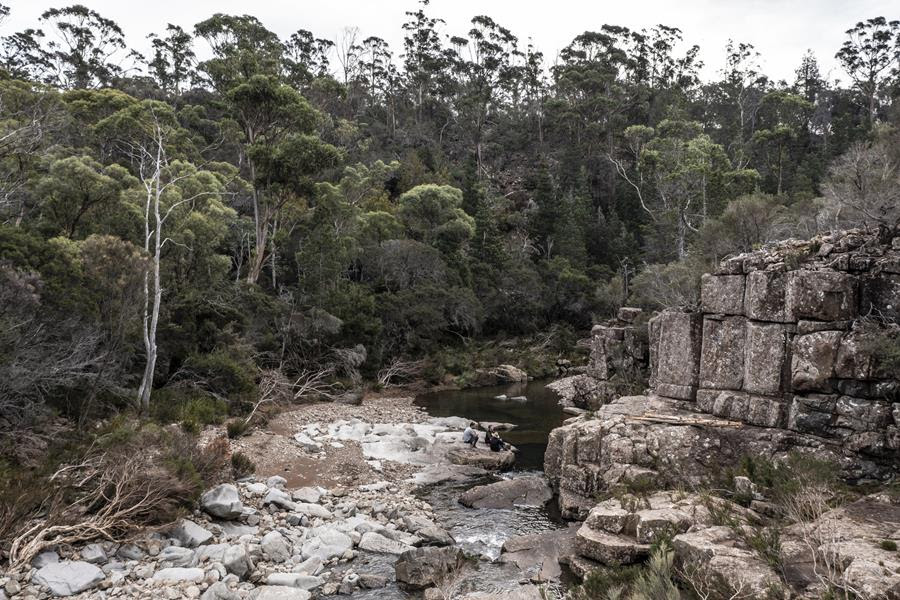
(339, 506)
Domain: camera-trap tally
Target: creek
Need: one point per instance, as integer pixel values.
(481, 532)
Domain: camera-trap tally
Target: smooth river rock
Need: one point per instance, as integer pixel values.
(67, 578)
(482, 457)
(424, 567)
(222, 501)
(522, 491)
(279, 592)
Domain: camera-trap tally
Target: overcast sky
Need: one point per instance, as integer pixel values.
(781, 30)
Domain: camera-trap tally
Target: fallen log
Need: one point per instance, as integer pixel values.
(677, 420)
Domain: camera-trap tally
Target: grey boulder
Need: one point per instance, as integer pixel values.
(309, 495)
(275, 547)
(190, 534)
(279, 592)
(424, 567)
(237, 561)
(375, 542)
(45, 558)
(296, 580)
(219, 591)
(326, 543)
(435, 536)
(67, 578)
(94, 554)
(279, 499)
(178, 574)
(522, 491)
(222, 501)
(176, 556)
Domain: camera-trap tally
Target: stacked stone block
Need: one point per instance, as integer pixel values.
(783, 340)
(618, 360)
(782, 344)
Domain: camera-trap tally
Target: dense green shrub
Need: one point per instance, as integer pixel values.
(241, 465)
(653, 580)
(188, 407)
(223, 372)
(236, 428)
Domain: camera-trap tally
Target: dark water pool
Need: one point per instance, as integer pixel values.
(534, 418)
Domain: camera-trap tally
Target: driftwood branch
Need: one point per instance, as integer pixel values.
(676, 420)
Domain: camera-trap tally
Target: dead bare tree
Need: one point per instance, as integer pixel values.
(147, 139)
(400, 371)
(30, 116)
(818, 529)
(863, 189)
(348, 52)
(315, 382)
(110, 498)
(40, 357)
(349, 361)
(273, 386)
(707, 585)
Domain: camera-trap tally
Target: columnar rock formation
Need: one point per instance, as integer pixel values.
(618, 364)
(783, 355)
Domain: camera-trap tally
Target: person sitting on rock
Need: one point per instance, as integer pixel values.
(488, 434)
(470, 436)
(496, 443)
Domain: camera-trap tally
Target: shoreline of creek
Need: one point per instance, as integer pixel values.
(479, 532)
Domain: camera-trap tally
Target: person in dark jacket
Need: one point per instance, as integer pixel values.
(488, 434)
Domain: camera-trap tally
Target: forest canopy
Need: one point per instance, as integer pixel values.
(177, 232)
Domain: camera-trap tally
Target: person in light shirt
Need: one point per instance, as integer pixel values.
(470, 436)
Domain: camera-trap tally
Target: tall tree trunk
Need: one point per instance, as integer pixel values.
(872, 104)
(152, 287)
(258, 254)
(780, 170)
(681, 234)
(260, 223)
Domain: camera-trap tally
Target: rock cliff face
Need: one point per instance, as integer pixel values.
(781, 356)
(618, 364)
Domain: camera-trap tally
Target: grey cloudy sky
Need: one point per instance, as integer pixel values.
(781, 30)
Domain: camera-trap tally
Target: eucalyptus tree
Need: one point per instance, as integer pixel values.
(76, 47)
(170, 191)
(871, 56)
(784, 118)
(484, 67)
(665, 76)
(676, 172)
(173, 59)
(425, 60)
(590, 102)
(735, 99)
(241, 48)
(306, 58)
(433, 215)
(76, 193)
(281, 150)
(32, 116)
